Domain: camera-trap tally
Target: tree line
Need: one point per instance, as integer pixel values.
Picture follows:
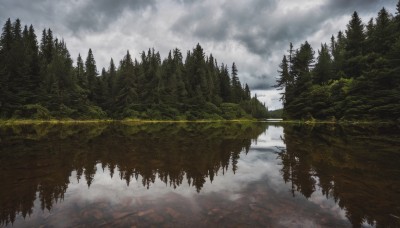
(41, 81)
(356, 77)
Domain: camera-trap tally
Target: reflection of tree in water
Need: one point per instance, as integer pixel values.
(38, 160)
(356, 166)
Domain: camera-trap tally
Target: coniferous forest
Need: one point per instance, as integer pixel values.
(355, 77)
(39, 80)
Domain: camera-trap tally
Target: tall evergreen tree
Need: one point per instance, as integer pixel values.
(225, 83)
(127, 84)
(355, 36)
(323, 68)
(6, 40)
(81, 75)
(236, 86)
(382, 37)
(47, 46)
(284, 77)
(91, 74)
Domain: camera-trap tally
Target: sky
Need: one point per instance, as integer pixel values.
(255, 34)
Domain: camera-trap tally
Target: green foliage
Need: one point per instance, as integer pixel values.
(357, 79)
(232, 111)
(276, 114)
(36, 111)
(40, 81)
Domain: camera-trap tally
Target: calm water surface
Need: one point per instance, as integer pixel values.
(199, 175)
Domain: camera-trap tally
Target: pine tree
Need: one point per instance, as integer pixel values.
(247, 92)
(46, 46)
(6, 36)
(112, 77)
(236, 86)
(382, 37)
(168, 84)
(180, 76)
(198, 77)
(323, 68)
(91, 74)
(127, 84)
(81, 75)
(397, 17)
(355, 36)
(284, 77)
(6, 40)
(225, 84)
(338, 56)
(285, 80)
(33, 50)
(296, 102)
(19, 68)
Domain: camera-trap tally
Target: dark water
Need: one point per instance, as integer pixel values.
(199, 175)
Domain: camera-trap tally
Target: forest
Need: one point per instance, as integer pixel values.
(355, 77)
(41, 81)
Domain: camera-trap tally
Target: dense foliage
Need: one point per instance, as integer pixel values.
(275, 114)
(356, 77)
(41, 81)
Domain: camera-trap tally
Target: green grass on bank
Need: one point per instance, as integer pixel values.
(72, 121)
(340, 122)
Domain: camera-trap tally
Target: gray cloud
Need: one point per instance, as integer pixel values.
(76, 15)
(96, 15)
(348, 6)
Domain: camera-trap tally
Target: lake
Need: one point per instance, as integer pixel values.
(199, 174)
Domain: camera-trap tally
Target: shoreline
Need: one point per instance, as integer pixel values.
(71, 121)
(272, 121)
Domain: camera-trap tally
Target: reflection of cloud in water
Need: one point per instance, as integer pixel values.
(317, 164)
(270, 139)
(252, 167)
(256, 183)
(260, 167)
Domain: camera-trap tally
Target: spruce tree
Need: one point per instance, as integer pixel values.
(323, 68)
(382, 37)
(355, 36)
(225, 83)
(127, 84)
(236, 86)
(6, 40)
(81, 75)
(284, 77)
(91, 74)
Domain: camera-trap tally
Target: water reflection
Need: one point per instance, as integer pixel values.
(358, 167)
(39, 159)
(199, 174)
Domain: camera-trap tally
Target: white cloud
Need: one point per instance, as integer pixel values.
(271, 98)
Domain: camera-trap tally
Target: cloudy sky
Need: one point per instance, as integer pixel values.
(252, 33)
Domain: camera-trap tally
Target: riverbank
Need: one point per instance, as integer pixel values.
(346, 122)
(71, 121)
(278, 121)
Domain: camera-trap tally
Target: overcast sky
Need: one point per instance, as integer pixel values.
(252, 33)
